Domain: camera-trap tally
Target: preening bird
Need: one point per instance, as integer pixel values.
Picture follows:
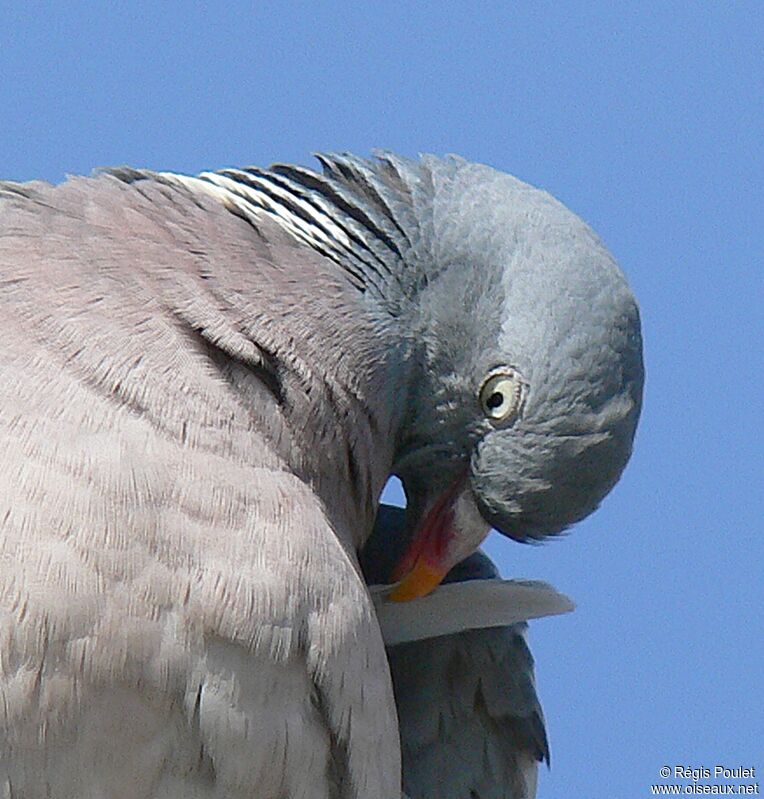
(205, 383)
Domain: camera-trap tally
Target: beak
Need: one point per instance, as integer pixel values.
(450, 530)
(422, 579)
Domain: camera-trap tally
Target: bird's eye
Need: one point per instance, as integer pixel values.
(501, 396)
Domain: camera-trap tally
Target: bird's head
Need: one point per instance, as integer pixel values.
(528, 380)
(521, 357)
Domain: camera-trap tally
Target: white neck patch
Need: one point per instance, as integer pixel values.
(256, 197)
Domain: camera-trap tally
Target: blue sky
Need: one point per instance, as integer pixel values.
(648, 121)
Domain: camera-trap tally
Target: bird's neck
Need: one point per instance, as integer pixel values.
(364, 225)
(334, 350)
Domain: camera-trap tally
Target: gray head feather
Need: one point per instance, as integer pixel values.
(502, 275)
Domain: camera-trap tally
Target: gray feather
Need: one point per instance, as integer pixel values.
(471, 724)
(470, 719)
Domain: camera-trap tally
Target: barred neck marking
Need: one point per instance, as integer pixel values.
(317, 212)
(312, 227)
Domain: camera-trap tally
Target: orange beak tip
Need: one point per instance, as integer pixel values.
(420, 581)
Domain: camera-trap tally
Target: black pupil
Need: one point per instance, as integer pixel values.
(495, 400)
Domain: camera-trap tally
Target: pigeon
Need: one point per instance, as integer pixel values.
(205, 383)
